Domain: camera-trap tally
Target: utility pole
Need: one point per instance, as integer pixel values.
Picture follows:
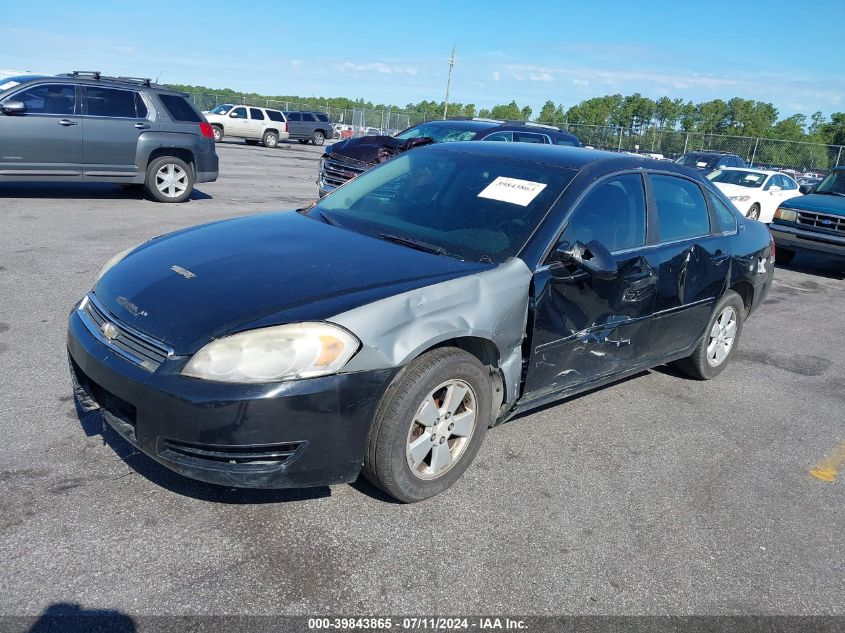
(449, 82)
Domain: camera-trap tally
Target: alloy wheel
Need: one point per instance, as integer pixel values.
(722, 336)
(171, 180)
(441, 430)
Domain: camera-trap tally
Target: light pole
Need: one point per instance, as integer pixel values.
(449, 82)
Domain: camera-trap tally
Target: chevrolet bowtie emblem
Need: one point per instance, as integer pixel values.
(109, 330)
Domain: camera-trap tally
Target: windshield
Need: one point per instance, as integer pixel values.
(473, 208)
(223, 108)
(440, 133)
(700, 161)
(834, 182)
(739, 177)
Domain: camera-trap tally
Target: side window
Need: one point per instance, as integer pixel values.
(681, 209)
(180, 109)
(241, 112)
(255, 113)
(275, 115)
(140, 107)
(48, 99)
(499, 136)
(724, 216)
(774, 181)
(294, 116)
(789, 184)
(613, 213)
(307, 117)
(109, 102)
(323, 118)
(528, 137)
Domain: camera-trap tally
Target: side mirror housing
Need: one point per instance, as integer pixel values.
(774, 189)
(806, 189)
(592, 257)
(14, 107)
(233, 115)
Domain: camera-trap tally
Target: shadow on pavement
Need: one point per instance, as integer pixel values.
(66, 617)
(80, 191)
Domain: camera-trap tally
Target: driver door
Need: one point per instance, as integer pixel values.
(586, 327)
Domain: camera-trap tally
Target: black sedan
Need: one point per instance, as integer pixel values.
(385, 328)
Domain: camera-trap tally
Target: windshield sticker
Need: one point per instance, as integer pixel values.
(9, 84)
(701, 164)
(512, 190)
(752, 177)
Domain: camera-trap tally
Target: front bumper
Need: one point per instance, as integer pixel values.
(794, 238)
(284, 435)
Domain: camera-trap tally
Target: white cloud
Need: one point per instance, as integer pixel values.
(541, 77)
(497, 76)
(378, 67)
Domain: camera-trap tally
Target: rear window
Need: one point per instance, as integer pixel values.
(275, 115)
(179, 109)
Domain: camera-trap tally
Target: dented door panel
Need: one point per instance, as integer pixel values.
(587, 328)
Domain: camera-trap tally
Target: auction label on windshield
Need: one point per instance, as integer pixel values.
(512, 190)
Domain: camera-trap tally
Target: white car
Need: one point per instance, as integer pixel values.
(755, 192)
(252, 124)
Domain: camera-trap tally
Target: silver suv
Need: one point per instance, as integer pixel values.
(85, 127)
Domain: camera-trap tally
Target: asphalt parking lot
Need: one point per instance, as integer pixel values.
(656, 495)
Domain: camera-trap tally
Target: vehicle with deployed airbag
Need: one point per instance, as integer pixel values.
(385, 328)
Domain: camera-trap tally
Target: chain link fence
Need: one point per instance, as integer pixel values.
(798, 156)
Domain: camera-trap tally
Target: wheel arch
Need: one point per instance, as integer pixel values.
(745, 290)
(179, 152)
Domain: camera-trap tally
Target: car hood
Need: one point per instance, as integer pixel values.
(198, 284)
(375, 149)
(817, 202)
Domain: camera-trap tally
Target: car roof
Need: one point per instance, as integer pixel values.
(707, 152)
(558, 155)
(92, 79)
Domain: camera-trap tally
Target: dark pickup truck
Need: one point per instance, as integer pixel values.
(815, 222)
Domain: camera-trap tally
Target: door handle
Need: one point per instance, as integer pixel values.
(142, 126)
(66, 122)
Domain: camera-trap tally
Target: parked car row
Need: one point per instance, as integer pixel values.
(267, 126)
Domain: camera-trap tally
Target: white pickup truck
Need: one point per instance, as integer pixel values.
(254, 125)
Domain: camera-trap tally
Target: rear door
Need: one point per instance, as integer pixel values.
(692, 259)
(256, 122)
(114, 120)
(587, 328)
(46, 139)
(294, 124)
(309, 124)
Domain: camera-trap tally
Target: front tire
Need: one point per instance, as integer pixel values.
(270, 139)
(218, 133)
(169, 179)
(719, 342)
(754, 212)
(318, 138)
(429, 425)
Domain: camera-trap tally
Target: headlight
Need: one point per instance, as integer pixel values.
(787, 215)
(739, 198)
(114, 260)
(282, 352)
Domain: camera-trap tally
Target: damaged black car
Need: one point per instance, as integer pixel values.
(385, 328)
(347, 159)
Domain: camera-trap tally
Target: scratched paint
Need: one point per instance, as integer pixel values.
(828, 468)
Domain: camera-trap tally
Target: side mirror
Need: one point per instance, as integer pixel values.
(774, 189)
(592, 257)
(233, 115)
(807, 189)
(14, 107)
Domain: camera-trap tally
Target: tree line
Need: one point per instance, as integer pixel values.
(735, 117)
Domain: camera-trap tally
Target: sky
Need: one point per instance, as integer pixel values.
(786, 53)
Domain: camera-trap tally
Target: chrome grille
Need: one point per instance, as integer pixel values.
(336, 172)
(131, 344)
(822, 221)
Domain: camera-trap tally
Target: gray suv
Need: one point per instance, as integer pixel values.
(85, 127)
(309, 126)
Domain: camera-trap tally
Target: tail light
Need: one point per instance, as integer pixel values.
(286, 127)
(206, 131)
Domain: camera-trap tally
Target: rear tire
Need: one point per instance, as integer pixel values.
(754, 212)
(783, 255)
(318, 138)
(169, 179)
(429, 425)
(270, 139)
(719, 342)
